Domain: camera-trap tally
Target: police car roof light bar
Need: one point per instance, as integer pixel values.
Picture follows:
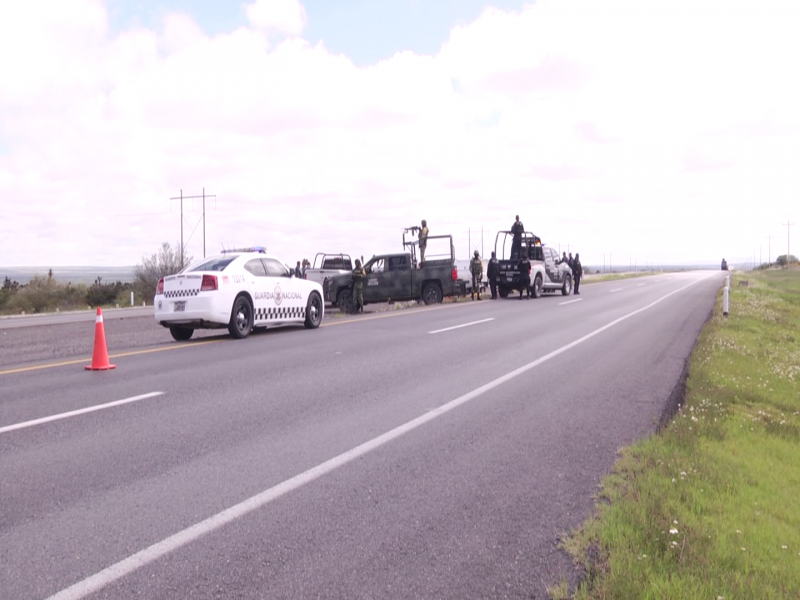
(259, 249)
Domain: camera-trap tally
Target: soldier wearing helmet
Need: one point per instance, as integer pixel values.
(476, 268)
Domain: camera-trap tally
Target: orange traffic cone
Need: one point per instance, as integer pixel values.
(100, 355)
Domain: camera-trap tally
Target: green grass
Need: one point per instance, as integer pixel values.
(710, 506)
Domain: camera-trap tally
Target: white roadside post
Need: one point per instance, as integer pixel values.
(725, 301)
(132, 299)
(726, 295)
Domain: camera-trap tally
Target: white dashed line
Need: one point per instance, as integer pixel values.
(75, 413)
(617, 290)
(460, 326)
(570, 301)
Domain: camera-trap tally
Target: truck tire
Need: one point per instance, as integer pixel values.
(241, 323)
(537, 287)
(181, 334)
(503, 291)
(313, 311)
(345, 301)
(432, 294)
(566, 290)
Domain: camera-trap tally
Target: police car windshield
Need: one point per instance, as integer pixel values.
(215, 264)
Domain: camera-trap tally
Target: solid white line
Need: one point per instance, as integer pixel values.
(128, 565)
(464, 325)
(570, 301)
(617, 290)
(81, 411)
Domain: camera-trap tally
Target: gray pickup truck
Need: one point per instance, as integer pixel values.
(400, 277)
(327, 265)
(548, 273)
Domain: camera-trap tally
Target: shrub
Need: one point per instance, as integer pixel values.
(167, 261)
(38, 296)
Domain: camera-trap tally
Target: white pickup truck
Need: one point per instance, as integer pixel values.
(328, 265)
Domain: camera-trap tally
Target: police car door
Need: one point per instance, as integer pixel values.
(373, 283)
(288, 303)
(257, 279)
(550, 266)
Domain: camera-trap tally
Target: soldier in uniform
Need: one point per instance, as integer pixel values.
(564, 259)
(423, 241)
(525, 276)
(516, 244)
(577, 272)
(358, 287)
(570, 260)
(476, 268)
(492, 271)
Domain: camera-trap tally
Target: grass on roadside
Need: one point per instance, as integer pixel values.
(708, 508)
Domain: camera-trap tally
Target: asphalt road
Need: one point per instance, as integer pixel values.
(430, 453)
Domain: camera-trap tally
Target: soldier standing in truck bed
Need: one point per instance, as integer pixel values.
(358, 287)
(516, 243)
(423, 241)
(476, 268)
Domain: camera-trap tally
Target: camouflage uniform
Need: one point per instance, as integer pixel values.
(358, 287)
(423, 241)
(476, 268)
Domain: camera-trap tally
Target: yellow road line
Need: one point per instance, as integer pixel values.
(400, 313)
(85, 360)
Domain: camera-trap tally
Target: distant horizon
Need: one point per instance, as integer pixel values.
(124, 273)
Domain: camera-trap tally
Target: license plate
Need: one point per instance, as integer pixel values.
(180, 306)
(509, 278)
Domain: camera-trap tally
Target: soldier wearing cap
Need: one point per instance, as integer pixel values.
(476, 268)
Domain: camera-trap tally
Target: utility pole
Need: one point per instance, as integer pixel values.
(203, 197)
(788, 253)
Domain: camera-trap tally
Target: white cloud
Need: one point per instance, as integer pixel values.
(282, 16)
(655, 131)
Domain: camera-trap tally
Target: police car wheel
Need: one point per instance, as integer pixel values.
(537, 287)
(181, 334)
(504, 292)
(241, 323)
(567, 289)
(313, 311)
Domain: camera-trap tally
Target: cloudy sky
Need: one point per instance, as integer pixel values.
(650, 131)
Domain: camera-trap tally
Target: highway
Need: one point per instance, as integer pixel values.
(436, 452)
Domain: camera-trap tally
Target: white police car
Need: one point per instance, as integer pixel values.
(238, 289)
